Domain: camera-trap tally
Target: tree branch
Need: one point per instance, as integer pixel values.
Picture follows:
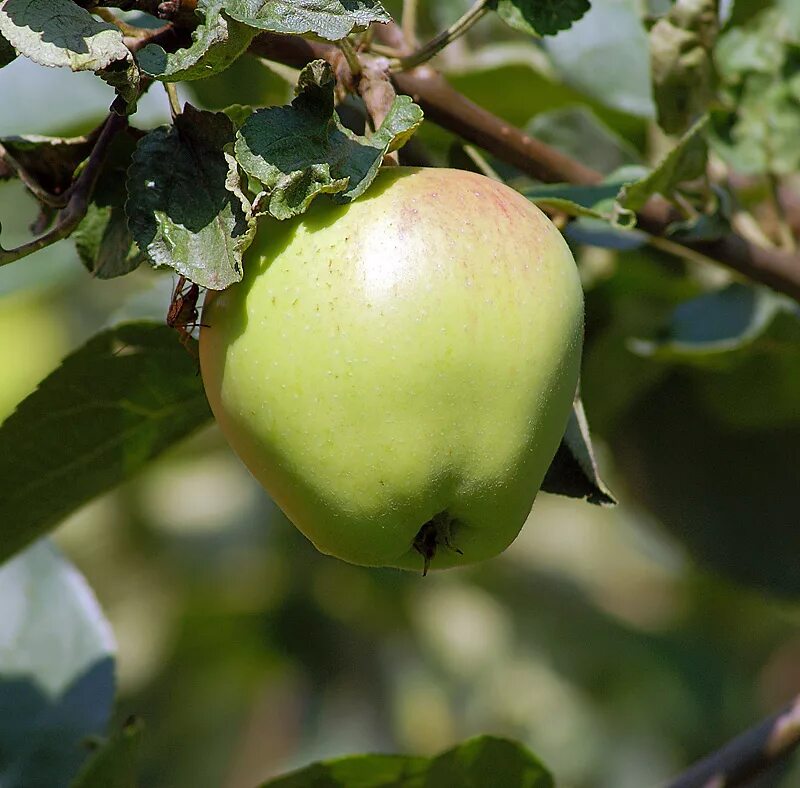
(448, 108)
(749, 755)
(80, 195)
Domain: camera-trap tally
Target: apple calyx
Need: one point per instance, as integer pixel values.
(436, 533)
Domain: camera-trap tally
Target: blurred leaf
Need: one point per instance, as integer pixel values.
(686, 161)
(479, 762)
(113, 765)
(114, 405)
(721, 322)
(61, 33)
(50, 161)
(216, 43)
(579, 133)
(756, 133)
(249, 81)
(103, 240)
(302, 150)
(681, 45)
(7, 52)
(540, 17)
(126, 78)
(606, 55)
(330, 19)
(56, 669)
(180, 209)
(725, 491)
(573, 471)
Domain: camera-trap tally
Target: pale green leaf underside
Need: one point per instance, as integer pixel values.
(60, 33)
(302, 150)
(330, 19)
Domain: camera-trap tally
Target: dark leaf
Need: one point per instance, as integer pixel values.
(114, 405)
(57, 675)
(540, 17)
(61, 33)
(216, 43)
(302, 150)
(7, 52)
(574, 471)
(180, 209)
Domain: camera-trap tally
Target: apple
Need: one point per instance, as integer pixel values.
(398, 372)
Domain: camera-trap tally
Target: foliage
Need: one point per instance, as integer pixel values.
(619, 644)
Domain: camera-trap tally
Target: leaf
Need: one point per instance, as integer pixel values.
(113, 765)
(579, 133)
(56, 669)
(7, 52)
(61, 33)
(476, 763)
(112, 406)
(606, 55)
(302, 150)
(103, 240)
(686, 161)
(681, 57)
(216, 43)
(179, 208)
(50, 161)
(573, 471)
(540, 17)
(329, 19)
(720, 322)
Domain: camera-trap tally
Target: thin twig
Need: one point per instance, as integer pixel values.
(351, 56)
(174, 100)
(440, 41)
(749, 755)
(80, 195)
(31, 184)
(409, 23)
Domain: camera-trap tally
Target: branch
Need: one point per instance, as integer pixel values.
(448, 108)
(80, 195)
(748, 755)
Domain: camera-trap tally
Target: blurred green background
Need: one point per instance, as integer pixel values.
(618, 644)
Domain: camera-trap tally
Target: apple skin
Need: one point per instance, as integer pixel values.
(408, 358)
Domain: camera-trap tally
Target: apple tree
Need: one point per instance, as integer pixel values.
(415, 261)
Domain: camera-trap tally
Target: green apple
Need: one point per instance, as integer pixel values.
(398, 372)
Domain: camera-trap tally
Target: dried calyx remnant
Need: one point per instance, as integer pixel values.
(436, 533)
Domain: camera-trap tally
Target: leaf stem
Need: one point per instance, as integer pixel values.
(439, 42)
(784, 231)
(174, 100)
(409, 26)
(351, 56)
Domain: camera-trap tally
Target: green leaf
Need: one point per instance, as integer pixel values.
(681, 56)
(114, 405)
(113, 765)
(56, 669)
(477, 763)
(103, 240)
(579, 133)
(607, 56)
(329, 19)
(50, 161)
(540, 17)
(216, 43)
(7, 52)
(685, 162)
(573, 471)
(61, 33)
(302, 150)
(180, 209)
(719, 323)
